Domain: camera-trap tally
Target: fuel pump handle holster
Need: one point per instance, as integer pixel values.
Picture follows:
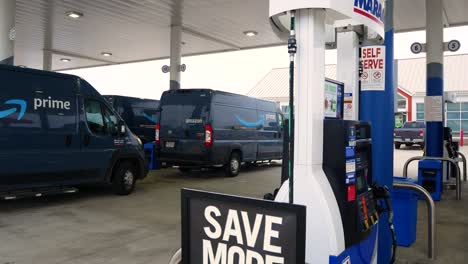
(382, 193)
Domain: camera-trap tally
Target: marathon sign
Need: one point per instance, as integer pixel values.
(223, 229)
(372, 9)
(369, 13)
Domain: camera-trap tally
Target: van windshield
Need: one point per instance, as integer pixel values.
(184, 113)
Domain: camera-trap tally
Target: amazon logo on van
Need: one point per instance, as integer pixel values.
(372, 9)
(51, 103)
(261, 121)
(17, 106)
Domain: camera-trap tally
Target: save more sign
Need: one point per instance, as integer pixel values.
(373, 65)
(221, 229)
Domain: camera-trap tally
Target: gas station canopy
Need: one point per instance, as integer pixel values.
(139, 30)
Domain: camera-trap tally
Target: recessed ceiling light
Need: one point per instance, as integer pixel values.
(250, 33)
(65, 60)
(106, 54)
(74, 14)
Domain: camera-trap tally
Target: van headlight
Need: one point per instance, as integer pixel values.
(138, 140)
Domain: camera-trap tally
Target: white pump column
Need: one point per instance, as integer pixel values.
(348, 70)
(435, 77)
(311, 187)
(7, 23)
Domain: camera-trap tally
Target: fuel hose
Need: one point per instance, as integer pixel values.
(292, 50)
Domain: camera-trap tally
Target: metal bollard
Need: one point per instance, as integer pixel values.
(458, 177)
(430, 214)
(464, 165)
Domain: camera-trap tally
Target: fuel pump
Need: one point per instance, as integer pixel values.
(332, 166)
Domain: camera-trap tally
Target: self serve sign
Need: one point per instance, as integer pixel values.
(222, 229)
(373, 64)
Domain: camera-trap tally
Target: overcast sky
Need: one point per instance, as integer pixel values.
(236, 72)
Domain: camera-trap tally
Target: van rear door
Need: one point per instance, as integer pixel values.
(184, 114)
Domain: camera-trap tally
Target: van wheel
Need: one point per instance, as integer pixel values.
(123, 182)
(232, 168)
(397, 145)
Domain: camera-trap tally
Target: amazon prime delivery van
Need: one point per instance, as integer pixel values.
(57, 131)
(139, 114)
(202, 127)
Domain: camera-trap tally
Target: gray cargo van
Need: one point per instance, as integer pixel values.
(57, 131)
(203, 128)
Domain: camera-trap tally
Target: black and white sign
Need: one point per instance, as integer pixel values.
(166, 69)
(222, 229)
(417, 48)
(453, 45)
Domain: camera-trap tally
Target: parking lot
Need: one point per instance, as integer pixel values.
(94, 226)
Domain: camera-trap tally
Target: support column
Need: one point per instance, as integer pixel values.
(435, 73)
(7, 22)
(378, 108)
(47, 60)
(311, 187)
(48, 38)
(176, 49)
(176, 45)
(348, 69)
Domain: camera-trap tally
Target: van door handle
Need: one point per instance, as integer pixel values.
(86, 140)
(68, 140)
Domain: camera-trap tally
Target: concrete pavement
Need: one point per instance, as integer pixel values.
(96, 227)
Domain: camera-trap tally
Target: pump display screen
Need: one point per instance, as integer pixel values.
(362, 133)
(333, 104)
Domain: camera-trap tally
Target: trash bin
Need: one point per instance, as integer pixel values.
(405, 211)
(150, 156)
